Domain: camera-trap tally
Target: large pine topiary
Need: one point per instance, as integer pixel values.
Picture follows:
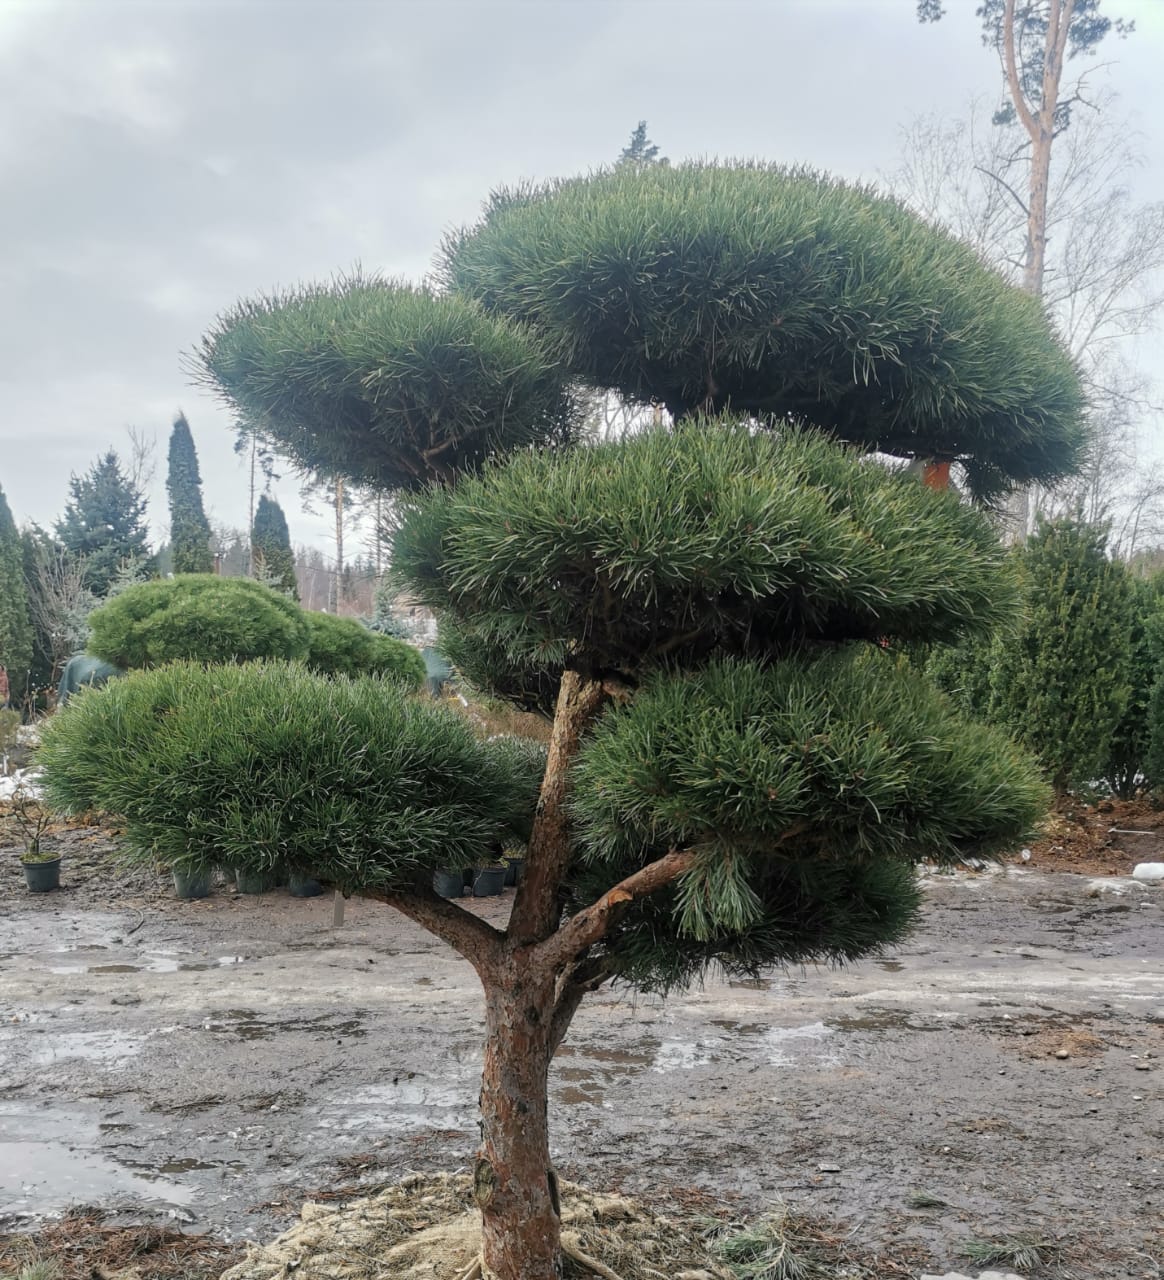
(739, 772)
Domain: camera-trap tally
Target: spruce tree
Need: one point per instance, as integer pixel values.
(1062, 685)
(16, 638)
(271, 548)
(104, 523)
(741, 771)
(189, 528)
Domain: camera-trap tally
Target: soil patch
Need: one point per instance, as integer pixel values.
(1103, 839)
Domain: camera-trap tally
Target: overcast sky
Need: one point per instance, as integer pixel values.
(161, 158)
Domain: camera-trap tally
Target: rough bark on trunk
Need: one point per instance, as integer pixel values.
(536, 910)
(514, 1182)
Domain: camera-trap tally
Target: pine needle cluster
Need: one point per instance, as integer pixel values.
(781, 292)
(207, 764)
(405, 384)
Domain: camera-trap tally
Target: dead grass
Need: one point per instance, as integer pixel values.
(427, 1227)
(81, 1247)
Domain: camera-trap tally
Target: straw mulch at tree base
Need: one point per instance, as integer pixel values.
(80, 1247)
(427, 1228)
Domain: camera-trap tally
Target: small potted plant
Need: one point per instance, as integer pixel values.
(42, 867)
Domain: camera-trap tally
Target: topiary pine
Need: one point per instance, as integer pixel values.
(781, 293)
(189, 528)
(737, 774)
(345, 647)
(198, 616)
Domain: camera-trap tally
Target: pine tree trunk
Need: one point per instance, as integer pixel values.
(514, 1182)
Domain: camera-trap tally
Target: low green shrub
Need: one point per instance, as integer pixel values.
(345, 647)
(198, 616)
(268, 766)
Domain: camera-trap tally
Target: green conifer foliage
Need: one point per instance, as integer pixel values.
(738, 770)
(345, 647)
(1129, 759)
(412, 385)
(271, 547)
(189, 528)
(1063, 684)
(16, 639)
(199, 616)
(780, 293)
(104, 523)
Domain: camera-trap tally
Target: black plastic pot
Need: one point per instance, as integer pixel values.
(303, 886)
(192, 884)
(42, 876)
(488, 881)
(449, 884)
(254, 881)
(514, 870)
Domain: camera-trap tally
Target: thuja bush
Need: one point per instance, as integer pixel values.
(207, 764)
(1132, 762)
(345, 647)
(1063, 682)
(197, 616)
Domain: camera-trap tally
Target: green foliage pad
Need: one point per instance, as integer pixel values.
(808, 787)
(779, 293)
(345, 647)
(198, 616)
(386, 384)
(714, 536)
(267, 766)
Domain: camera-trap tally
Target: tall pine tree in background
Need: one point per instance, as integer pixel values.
(15, 624)
(104, 523)
(189, 528)
(271, 547)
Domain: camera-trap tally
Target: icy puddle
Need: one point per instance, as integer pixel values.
(42, 1171)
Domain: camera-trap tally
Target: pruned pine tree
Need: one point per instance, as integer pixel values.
(741, 772)
(189, 528)
(274, 561)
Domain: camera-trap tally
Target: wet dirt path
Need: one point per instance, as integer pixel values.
(214, 1062)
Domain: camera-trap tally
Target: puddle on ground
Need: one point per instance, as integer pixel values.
(881, 1020)
(411, 1101)
(43, 1172)
(248, 1025)
(88, 1046)
(150, 962)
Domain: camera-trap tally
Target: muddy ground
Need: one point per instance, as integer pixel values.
(214, 1063)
